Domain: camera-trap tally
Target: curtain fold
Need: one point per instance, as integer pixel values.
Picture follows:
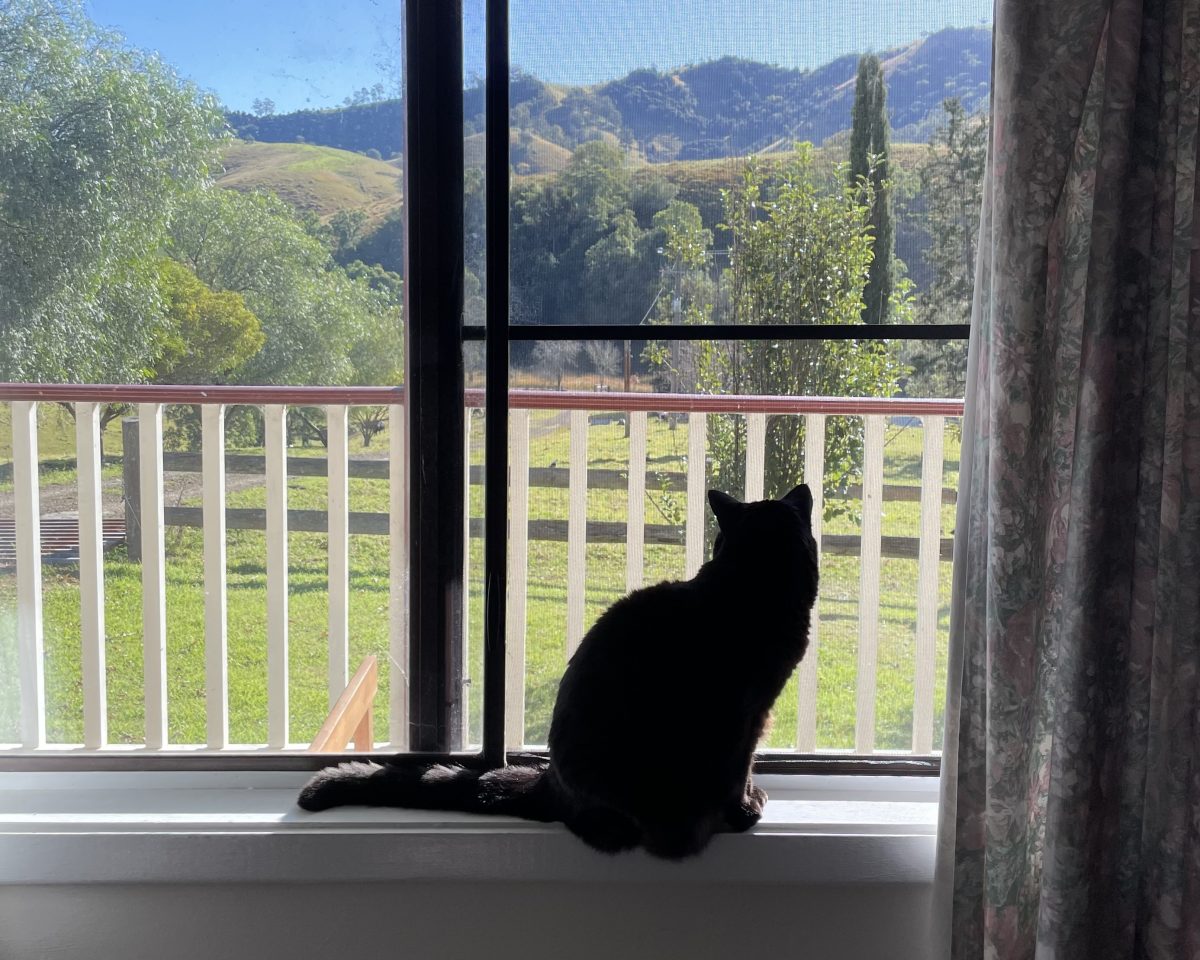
(1071, 772)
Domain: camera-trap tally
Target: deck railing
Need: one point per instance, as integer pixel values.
(929, 548)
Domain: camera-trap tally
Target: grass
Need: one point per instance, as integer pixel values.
(836, 652)
(323, 180)
(56, 447)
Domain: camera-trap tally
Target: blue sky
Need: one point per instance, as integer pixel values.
(312, 53)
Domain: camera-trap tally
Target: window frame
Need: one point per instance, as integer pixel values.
(434, 336)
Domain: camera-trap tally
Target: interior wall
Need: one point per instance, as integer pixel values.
(577, 921)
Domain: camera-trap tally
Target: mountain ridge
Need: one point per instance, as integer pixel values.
(710, 110)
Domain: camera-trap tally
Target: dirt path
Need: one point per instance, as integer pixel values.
(62, 499)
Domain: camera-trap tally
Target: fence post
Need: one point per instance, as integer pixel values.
(132, 484)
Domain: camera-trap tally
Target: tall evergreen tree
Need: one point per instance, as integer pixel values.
(869, 159)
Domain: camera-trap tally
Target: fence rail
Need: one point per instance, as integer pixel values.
(147, 517)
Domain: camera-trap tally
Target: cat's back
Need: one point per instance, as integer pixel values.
(655, 616)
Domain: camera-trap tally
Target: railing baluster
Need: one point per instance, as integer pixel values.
(29, 574)
(518, 580)
(696, 476)
(397, 583)
(814, 476)
(275, 419)
(465, 712)
(337, 423)
(635, 525)
(929, 554)
(868, 583)
(576, 528)
(216, 629)
(756, 455)
(154, 576)
(91, 575)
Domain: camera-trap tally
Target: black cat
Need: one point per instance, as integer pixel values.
(660, 709)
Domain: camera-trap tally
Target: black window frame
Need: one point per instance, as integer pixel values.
(434, 339)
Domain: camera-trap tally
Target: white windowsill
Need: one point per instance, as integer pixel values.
(237, 827)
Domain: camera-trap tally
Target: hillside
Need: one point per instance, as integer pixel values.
(322, 180)
(731, 107)
(723, 108)
(528, 153)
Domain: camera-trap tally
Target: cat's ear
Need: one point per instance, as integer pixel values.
(801, 498)
(724, 507)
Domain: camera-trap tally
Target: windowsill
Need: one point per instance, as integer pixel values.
(231, 828)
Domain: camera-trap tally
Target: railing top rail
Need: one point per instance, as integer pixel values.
(518, 399)
(723, 403)
(178, 393)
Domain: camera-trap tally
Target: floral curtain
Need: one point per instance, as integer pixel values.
(1071, 774)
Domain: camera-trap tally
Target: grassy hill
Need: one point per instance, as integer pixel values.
(322, 180)
(529, 154)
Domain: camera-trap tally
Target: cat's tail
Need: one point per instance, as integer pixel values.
(515, 791)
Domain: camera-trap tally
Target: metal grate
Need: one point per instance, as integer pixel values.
(60, 538)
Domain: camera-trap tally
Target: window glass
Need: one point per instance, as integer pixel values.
(198, 194)
(662, 154)
(748, 164)
(886, 468)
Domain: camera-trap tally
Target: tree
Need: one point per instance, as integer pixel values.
(557, 224)
(556, 357)
(263, 107)
(952, 183)
(208, 335)
(97, 144)
(346, 227)
(800, 255)
(617, 273)
(869, 160)
(369, 422)
(604, 356)
(316, 317)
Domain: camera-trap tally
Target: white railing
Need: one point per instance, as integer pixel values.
(153, 517)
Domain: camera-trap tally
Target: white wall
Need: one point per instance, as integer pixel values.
(480, 921)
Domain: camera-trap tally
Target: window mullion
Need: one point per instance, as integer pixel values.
(433, 199)
(496, 441)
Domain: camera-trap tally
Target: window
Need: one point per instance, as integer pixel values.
(663, 275)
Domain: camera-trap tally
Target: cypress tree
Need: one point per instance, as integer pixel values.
(869, 138)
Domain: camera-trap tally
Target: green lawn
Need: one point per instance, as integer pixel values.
(546, 619)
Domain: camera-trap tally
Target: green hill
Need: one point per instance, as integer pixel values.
(322, 180)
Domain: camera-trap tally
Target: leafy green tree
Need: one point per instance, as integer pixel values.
(614, 279)
(346, 227)
(869, 160)
(952, 184)
(650, 197)
(685, 239)
(97, 144)
(800, 255)
(596, 181)
(952, 181)
(313, 313)
(208, 335)
(557, 224)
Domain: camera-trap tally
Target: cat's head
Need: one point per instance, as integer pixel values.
(766, 533)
